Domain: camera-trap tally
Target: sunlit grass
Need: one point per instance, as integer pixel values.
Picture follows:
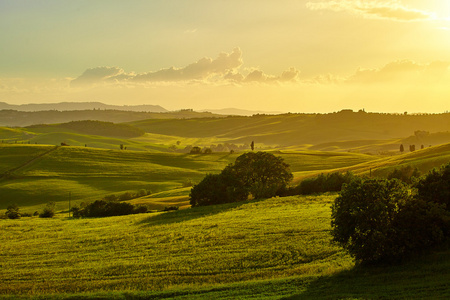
(206, 246)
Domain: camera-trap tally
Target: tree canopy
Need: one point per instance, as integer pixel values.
(259, 174)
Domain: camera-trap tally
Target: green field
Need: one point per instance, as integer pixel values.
(269, 249)
(35, 174)
(266, 249)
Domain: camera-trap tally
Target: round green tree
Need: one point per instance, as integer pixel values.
(259, 174)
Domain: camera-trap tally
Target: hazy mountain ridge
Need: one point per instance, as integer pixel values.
(14, 118)
(66, 106)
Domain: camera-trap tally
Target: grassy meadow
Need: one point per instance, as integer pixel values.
(38, 174)
(268, 249)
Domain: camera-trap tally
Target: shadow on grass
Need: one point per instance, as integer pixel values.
(191, 213)
(422, 278)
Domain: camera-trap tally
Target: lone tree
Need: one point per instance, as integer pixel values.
(402, 149)
(252, 145)
(259, 174)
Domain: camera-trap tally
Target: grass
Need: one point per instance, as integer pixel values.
(90, 174)
(269, 249)
(258, 240)
(39, 174)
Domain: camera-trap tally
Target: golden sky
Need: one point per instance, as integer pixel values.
(286, 56)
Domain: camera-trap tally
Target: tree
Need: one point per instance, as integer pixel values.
(435, 186)
(258, 174)
(380, 220)
(195, 150)
(211, 190)
(362, 217)
(262, 173)
(402, 149)
(12, 212)
(252, 145)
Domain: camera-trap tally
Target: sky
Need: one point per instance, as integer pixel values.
(270, 55)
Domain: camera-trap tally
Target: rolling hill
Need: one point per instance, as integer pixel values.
(32, 175)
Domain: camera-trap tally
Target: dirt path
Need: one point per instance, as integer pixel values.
(10, 172)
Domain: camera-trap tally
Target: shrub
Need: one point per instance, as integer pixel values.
(169, 208)
(405, 174)
(331, 182)
(126, 196)
(102, 208)
(49, 211)
(13, 212)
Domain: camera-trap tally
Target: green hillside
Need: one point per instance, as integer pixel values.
(302, 129)
(32, 175)
(268, 249)
(89, 173)
(343, 131)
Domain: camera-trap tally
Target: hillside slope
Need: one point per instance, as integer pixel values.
(267, 249)
(32, 175)
(302, 129)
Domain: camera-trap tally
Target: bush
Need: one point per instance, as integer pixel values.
(405, 174)
(49, 211)
(13, 212)
(102, 208)
(170, 208)
(331, 182)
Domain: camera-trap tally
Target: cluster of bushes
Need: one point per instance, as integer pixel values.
(13, 212)
(384, 220)
(333, 182)
(257, 175)
(226, 147)
(406, 174)
(104, 208)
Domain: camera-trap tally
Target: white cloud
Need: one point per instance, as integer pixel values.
(225, 68)
(392, 10)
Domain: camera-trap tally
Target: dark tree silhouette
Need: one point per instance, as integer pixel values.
(259, 174)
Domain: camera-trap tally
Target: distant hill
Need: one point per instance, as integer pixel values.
(14, 118)
(240, 112)
(106, 129)
(65, 106)
(385, 131)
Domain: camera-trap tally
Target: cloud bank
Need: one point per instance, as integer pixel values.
(402, 71)
(391, 10)
(225, 68)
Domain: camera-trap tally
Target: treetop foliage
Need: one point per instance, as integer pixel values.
(259, 174)
(383, 220)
